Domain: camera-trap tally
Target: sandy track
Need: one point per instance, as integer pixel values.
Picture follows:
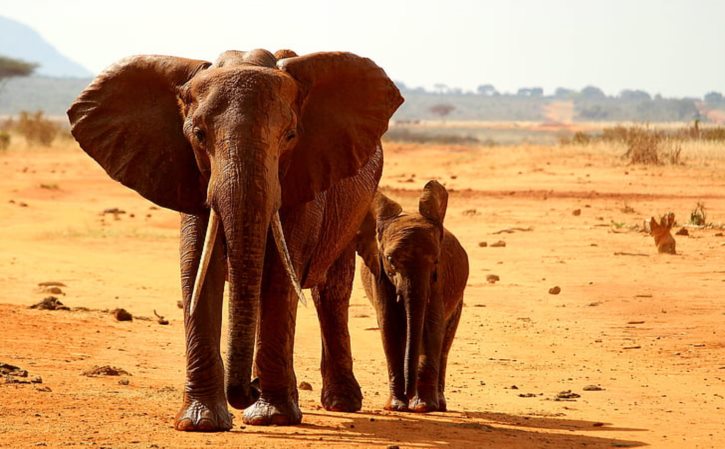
(646, 329)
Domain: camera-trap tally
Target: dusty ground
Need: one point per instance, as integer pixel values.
(646, 328)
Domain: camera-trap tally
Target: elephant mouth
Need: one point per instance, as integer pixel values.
(212, 230)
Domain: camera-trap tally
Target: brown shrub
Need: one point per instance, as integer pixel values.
(36, 128)
(4, 140)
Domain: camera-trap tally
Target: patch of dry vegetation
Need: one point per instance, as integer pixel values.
(652, 146)
(35, 127)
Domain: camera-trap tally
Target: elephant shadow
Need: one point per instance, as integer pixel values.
(456, 429)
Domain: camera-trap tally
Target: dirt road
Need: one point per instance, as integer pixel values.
(636, 337)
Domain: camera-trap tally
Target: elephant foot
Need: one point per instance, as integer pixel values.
(273, 413)
(396, 405)
(342, 397)
(442, 405)
(198, 415)
(421, 404)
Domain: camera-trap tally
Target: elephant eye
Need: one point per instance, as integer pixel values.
(291, 134)
(199, 135)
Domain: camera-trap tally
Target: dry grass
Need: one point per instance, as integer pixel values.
(35, 127)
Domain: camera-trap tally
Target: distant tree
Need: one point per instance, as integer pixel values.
(455, 91)
(592, 92)
(713, 97)
(530, 92)
(636, 95)
(442, 109)
(563, 92)
(10, 68)
(440, 88)
(400, 85)
(486, 90)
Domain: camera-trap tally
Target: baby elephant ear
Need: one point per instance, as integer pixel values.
(128, 119)
(383, 208)
(433, 202)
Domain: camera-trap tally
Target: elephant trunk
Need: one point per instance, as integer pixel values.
(246, 200)
(415, 300)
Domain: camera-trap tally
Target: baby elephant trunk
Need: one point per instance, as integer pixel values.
(415, 299)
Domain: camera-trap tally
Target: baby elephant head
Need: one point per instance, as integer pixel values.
(402, 251)
(661, 232)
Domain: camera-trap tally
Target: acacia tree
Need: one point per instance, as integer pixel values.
(442, 109)
(10, 67)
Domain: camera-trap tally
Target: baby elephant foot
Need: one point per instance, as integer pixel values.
(273, 413)
(342, 397)
(396, 404)
(197, 415)
(442, 405)
(420, 404)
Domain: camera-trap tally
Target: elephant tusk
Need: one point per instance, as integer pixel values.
(209, 240)
(279, 240)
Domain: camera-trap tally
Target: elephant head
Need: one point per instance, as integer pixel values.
(243, 137)
(402, 252)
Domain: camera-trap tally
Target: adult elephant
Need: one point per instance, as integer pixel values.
(273, 160)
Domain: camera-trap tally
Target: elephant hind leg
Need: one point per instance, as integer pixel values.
(340, 390)
(450, 332)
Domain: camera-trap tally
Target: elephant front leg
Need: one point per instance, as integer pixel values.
(429, 367)
(204, 405)
(340, 390)
(391, 320)
(278, 402)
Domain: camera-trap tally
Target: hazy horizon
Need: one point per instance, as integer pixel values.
(670, 47)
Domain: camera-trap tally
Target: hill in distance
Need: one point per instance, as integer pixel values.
(19, 41)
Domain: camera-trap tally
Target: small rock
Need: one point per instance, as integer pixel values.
(44, 389)
(566, 395)
(482, 244)
(106, 370)
(682, 231)
(470, 212)
(555, 290)
(113, 210)
(719, 234)
(123, 381)
(576, 212)
(51, 284)
(499, 244)
(121, 315)
(180, 304)
(305, 386)
(593, 388)
(50, 303)
(492, 278)
(527, 395)
(393, 447)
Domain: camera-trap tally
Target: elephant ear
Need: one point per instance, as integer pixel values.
(346, 103)
(128, 119)
(366, 245)
(433, 202)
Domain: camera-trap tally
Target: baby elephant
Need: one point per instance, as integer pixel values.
(414, 273)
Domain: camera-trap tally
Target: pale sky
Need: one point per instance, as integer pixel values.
(672, 47)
